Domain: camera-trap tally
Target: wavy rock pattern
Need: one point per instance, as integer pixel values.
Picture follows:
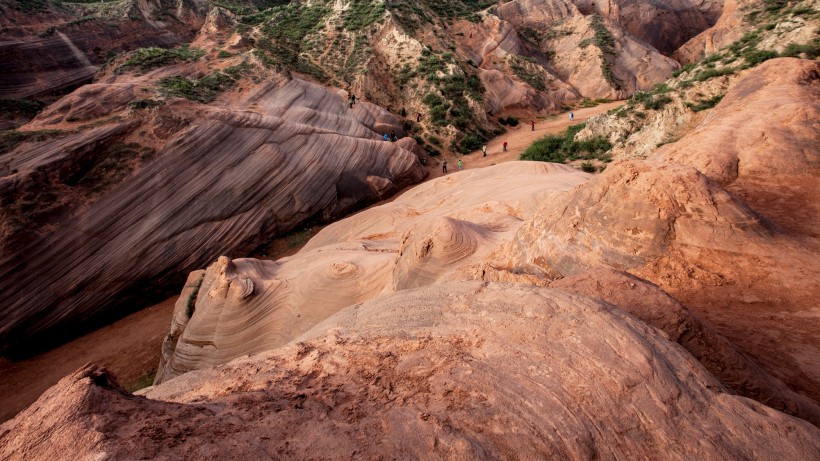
(436, 373)
(435, 232)
(226, 183)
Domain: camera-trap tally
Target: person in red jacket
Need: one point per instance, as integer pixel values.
(504, 146)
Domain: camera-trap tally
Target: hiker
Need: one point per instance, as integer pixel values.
(444, 167)
(385, 137)
(418, 117)
(504, 146)
(393, 136)
(532, 123)
(350, 101)
(353, 99)
(460, 166)
(403, 112)
(484, 149)
(571, 116)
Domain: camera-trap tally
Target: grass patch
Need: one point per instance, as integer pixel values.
(528, 71)
(144, 103)
(649, 101)
(12, 138)
(705, 103)
(810, 50)
(586, 102)
(111, 166)
(707, 74)
(362, 14)
(606, 43)
(25, 108)
(149, 58)
(562, 147)
(204, 90)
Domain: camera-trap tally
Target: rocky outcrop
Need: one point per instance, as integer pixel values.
(760, 141)
(442, 230)
(719, 356)
(223, 185)
(598, 73)
(666, 25)
(726, 30)
(437, 372)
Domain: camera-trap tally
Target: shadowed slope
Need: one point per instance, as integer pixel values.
(231, 180)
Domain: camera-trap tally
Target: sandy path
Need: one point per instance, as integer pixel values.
(131, 347)
(520, 137)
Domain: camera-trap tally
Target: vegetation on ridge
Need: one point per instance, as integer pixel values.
(563, 147)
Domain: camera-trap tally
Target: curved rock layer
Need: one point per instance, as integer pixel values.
(761, 141)
(454, 228)
(720, 357)
(70, 55)
(463, 370)
(438, 231)
(231, 180)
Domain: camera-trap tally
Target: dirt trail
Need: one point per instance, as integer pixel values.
(130, 347)
(520, 137)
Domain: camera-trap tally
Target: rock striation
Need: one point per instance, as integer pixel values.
(436, 372)
(222, 185)
(438, 231)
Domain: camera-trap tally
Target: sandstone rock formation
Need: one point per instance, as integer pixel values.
(439, 231)
(436, 372)
(734, 369)
(226, 183)
(761, 141)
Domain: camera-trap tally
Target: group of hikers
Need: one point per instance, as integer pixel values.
(351, 100)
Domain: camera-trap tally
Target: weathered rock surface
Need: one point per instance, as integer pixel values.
(442, 230)
(632, 65)
(666, 25)
(229, 181)
(720, 357)
(438, 373)
(761, 141)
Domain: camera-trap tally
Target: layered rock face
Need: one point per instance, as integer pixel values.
(428, 373)
(438, 231)
(226, 183)
(72, 45)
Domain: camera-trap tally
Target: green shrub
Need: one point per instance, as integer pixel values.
(559, 148)
(712, 73)
(755, 57)
(588, 167)
(508, 121)
(471, 142)
(223, 54)
(149, 58)
(705, 104)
